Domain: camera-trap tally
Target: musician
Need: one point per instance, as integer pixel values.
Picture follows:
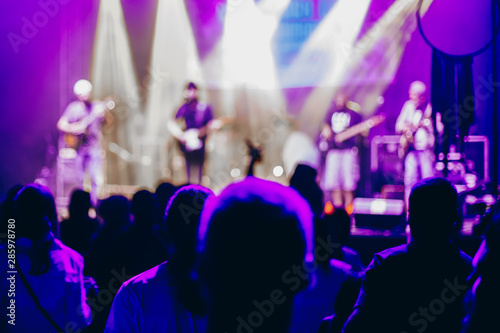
(417, 136)
(341, 169)
(194, 118)
(81, 124)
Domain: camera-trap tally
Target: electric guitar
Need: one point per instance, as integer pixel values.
(73, 139)
(409, 138)
(325, 144)
(192, 138)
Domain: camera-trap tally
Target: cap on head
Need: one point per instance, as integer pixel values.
(191, 85)
(82, 88)
(418, 87)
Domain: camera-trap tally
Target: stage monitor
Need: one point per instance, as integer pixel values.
(382, 214)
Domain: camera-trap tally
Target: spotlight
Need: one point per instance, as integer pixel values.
(278, 171)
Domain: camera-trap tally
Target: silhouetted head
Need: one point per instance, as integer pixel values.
(303, 181)
(144, 207)
(432, 210)
(8, 202)
(182, 217)
(35, 212)
(252, 235)
(79, 204)
(338, 225)
(115, 211)
(163, 193)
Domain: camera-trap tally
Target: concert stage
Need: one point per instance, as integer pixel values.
(269, 70)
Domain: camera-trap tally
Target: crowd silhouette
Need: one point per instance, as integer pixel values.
(258, 257)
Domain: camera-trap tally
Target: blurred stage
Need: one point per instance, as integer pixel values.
(270, 69)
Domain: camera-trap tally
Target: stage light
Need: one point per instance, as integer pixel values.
(278, 171)
(378, 213)
(378, 206)
(374, 59)
(174, 62)
(329, 209)
(146, 160)
(235, 173)
(322, 61)
(247, 57)
(113, 74)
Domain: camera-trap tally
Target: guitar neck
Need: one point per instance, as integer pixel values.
(359, 128)
(352, 131)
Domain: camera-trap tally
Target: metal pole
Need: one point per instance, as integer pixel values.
(495, 123)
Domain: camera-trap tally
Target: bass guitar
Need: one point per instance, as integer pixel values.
(325, 144)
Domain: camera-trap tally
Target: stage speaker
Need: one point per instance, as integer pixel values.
(381, 214)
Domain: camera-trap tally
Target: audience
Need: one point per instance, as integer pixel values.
(344, 303)
(418, 286)
(139, 248)
(318, 299)
(483, 298)
(49, 293)
(303, 181)
(253, 236)
(258, 258)
(7, 210)
(79, 229)
(337, 226)
(163, 193)
(165, 298)
(105, 264)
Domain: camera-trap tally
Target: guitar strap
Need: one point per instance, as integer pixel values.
(35, 299)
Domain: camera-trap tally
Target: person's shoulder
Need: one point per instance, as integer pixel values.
(392, 253)
(396, 250)
(348, 251)
(74, 105)
(202, 106)
(67, 251)
(340, 266)
(465, 259)
(149, 276)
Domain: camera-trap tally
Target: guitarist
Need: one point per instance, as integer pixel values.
(194, 118)
(341, 168)
(81, 125)
(417, 136)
